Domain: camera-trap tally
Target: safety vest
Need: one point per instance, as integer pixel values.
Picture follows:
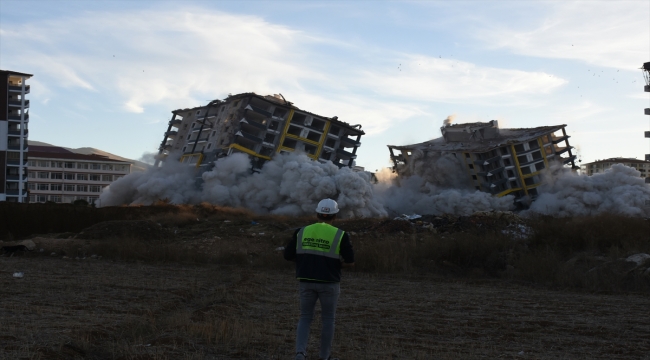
(319, 239)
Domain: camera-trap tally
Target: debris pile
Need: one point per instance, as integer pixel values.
(483, 221)
(138, 229)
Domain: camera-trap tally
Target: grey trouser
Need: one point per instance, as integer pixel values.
(328, 293)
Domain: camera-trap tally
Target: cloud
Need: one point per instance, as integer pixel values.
(447, 80)
(579, 111)
(604, 33)
(184, 58)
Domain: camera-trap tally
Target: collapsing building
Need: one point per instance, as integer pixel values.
(497, 161)
(259, 126)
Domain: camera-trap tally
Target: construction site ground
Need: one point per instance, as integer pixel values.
(218, 288)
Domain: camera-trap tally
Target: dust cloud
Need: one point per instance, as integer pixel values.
(174, 181)
(290, 184)
(434, 183)
(618, 190)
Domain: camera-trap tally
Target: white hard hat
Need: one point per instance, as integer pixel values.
(327, 206)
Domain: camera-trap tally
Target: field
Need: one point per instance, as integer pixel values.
(208, 283)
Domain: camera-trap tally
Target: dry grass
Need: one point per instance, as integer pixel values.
(217, 288)
(123, 310)
(559, 253)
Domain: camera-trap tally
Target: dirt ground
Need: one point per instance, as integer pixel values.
(105, 309)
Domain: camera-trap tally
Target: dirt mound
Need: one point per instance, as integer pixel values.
(138, 229)
(393, 226)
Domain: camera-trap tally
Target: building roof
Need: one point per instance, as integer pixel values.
(272, 98)
(619, 160)
(15, 73)
(505, 137)
(55, 152)
(49, 149)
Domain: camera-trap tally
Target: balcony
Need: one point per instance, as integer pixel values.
(175, 123)
(488, 161)
(568, 159)
(11, 162)
(16, 132)
(249, 137)
(399, 158)
(17, 117)
(206, 127)
(18, 89)
(562, 150)
(519, 153)
(345, 154)
(14, 177)
(491, 172)
(18, 103)
(15, 192)
(11, 146)
(202, 140)
(251, 126)
(258, 110)
(646, 111)
(347, 142)
(560, 139)
(171, 134)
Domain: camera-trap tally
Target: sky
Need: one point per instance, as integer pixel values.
(107, 74)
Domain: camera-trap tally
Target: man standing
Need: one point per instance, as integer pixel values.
(316, 249)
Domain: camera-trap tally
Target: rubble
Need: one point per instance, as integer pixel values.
(478, 222)
(140, 229)
(29, 244)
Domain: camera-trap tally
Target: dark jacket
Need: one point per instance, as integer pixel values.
(316, 267)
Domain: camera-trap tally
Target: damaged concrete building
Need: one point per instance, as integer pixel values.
(498, 161)
(260, 126)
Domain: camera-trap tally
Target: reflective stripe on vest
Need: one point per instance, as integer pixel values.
(322, 243)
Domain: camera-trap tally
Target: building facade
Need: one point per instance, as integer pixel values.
(599, 166)
(259, 126)
(646, 74)
(497, 161)
(14, 117)
(61, 176)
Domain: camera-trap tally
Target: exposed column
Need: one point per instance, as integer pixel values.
(162, 144)
(21, 165)
(646, 75)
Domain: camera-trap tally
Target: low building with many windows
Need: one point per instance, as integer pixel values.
(62, 176)
(600, 166)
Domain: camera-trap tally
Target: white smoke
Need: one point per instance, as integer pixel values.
(449, 120)
(433, 183)
(173, 181)
(290, 184)
(148, 157)
(618, 190)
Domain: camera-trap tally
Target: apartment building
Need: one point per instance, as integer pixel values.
(259, 126)
(646, 75)
(498, 161)
(14, 116)
(600, 166)
(62, 176)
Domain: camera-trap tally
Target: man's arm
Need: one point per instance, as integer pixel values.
(347, 251)
(290, 249)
